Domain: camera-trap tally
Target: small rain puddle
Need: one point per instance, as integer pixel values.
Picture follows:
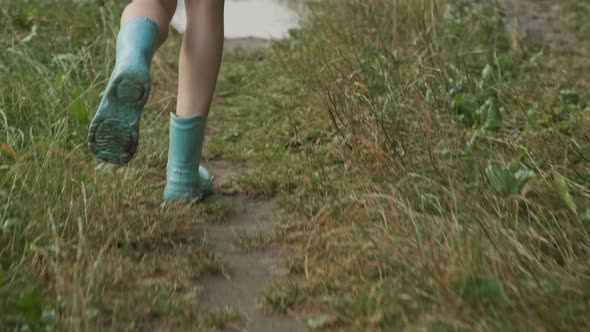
(250, 24)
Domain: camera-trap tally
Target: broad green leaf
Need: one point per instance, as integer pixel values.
(570, 97)
(564, 192)
(478, 287)
(490, 115)
(506, 181)
(493, 119)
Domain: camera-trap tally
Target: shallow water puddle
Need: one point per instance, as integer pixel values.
(265, 19)
(246, 272)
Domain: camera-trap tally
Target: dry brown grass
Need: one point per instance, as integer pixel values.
(412, 209)
(409, 211)
(86, 245)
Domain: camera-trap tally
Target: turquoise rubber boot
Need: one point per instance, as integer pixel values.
(114, 132)
(185, 178)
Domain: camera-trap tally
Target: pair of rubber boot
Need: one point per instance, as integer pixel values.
(114, 132)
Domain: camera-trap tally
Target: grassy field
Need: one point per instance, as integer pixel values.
(85, 245)
(436, 173)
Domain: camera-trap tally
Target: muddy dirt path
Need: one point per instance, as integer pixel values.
(246, 272)
(538, 22)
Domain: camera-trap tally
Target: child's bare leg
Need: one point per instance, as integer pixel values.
(113, 135)
(200, 56)
(159, 11)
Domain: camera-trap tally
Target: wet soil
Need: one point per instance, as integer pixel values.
(246, 273)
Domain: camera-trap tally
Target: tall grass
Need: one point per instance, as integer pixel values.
(84, 245)
(436, 171)
(443, 179)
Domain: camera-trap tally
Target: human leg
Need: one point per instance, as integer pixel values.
(114, 131)
(200, 58)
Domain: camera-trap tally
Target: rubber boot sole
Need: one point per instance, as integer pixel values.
(114, 132)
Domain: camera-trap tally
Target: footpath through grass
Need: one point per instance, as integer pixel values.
(436, 172)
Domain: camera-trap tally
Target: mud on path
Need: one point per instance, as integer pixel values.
(538, 22)
(246, 273)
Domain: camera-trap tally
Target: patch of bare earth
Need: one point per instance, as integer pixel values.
(246, 272)
(539, 23)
